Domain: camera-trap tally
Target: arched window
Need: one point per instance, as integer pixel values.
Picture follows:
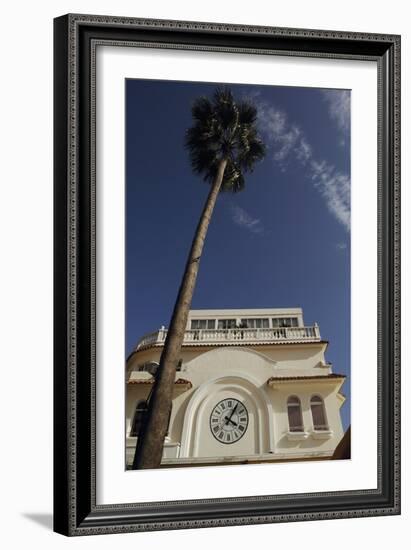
(318, 413)
(138, 418)
(150, 366)
(295, 417)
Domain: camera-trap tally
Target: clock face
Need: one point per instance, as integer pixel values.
(229, 421)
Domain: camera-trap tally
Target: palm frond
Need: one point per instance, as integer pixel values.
(250, 153)
(225, 108)
(224, 129)
(233, 179)
(202, 109)
(247, 112)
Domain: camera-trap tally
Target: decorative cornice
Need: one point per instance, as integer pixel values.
(235, 343)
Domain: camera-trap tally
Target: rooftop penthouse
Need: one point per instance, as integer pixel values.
(239, 326)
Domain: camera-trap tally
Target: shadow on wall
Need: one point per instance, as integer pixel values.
(45, 520)
(343, 449)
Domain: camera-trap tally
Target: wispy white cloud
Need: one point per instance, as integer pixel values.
(341, 246)
(287, 142)
(284, 137)
(303, 150)
(339, 109)
(244, 219)
(335, 188)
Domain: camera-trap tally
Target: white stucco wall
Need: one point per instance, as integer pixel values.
(299, 359)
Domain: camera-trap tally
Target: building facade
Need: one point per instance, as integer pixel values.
(252, 385)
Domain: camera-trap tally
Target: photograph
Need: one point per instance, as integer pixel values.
(237, 290)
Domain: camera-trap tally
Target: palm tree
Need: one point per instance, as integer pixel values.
(222, 144)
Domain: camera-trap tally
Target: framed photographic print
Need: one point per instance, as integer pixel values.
(226, 275)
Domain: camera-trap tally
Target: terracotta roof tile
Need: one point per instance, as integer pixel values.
(179, 381)
(310, 377)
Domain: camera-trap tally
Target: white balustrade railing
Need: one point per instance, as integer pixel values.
(256, 335)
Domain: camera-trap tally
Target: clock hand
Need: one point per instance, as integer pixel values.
(232, 412)
(228, 418)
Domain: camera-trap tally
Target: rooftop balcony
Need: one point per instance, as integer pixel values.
(236, 336)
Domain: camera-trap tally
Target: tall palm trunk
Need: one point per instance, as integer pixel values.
(151, 441)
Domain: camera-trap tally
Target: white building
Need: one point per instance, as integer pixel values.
(253, 385)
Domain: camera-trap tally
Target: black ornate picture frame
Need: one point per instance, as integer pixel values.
(75, 41)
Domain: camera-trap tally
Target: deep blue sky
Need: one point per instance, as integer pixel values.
(282, 242)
